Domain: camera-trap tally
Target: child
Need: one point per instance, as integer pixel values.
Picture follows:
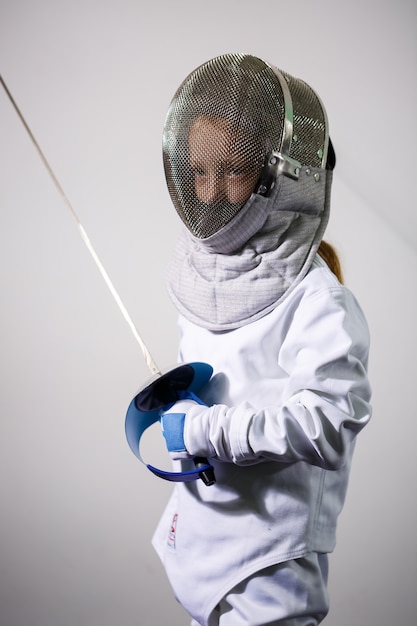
(248, 163)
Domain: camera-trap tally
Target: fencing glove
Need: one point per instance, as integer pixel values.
(172, 424)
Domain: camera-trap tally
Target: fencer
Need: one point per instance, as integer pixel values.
(249, 163)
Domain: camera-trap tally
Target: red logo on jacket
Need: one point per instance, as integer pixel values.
(172, 531)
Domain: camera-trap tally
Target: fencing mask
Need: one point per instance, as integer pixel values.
(242, 142)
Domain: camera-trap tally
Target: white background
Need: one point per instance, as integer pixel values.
(94, 79)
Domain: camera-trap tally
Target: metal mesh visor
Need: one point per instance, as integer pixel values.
(222, 122)
(310, 130)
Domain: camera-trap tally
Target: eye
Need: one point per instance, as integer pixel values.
(198, 172)
(236, 171)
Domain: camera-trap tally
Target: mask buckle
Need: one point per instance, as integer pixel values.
(276, 164)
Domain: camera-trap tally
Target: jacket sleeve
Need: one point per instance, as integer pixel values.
(325, 401)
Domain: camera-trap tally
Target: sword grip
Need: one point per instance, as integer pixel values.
(207, 474)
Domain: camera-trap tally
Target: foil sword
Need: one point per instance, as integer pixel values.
(182, 381)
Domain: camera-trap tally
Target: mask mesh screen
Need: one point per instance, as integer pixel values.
(309, 124)
(223, 120)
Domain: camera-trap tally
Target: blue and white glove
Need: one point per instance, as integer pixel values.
(172, 424)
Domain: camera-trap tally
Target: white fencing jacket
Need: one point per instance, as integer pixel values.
(289, 394)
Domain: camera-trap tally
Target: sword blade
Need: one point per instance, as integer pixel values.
(154, 369)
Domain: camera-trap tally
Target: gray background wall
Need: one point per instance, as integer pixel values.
(94, 80)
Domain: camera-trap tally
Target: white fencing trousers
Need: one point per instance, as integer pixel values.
(293, 593)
